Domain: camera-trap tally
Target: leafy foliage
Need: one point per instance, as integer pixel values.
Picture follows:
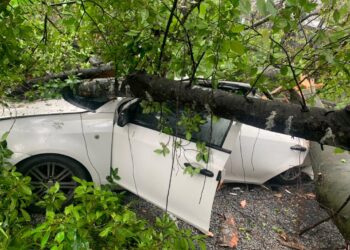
(268, 43)
(97, 219)
(15, 197)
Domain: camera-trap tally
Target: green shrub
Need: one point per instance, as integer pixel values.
(15, 196)
(97, 219)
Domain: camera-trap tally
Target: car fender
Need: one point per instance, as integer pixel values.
(51, 134)
(18, 157)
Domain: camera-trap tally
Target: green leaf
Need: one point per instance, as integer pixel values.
(188, 136)
(215, 118)
(198, 157)
(4, 136)
(237, 47)
(339, 150)
(336, 16)
(166, 151)
(237, 28)
(105, 232)
(261, 6)
(50, 215)
(271, 8)
(45, 239)
(245, 6)
(308, 6)
(206, 157)
(59, 237)
(158, 151)
(25, 189)
(203, 10)
(132, 33)
(3, 232)
(25, 214)
(55, 188)
(284, 70)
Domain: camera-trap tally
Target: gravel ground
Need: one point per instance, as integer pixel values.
(271, 213)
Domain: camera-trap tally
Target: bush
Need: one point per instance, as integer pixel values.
(97, 219)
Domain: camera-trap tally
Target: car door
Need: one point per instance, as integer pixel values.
(152, 167)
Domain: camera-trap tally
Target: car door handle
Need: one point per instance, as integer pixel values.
(206, 172)
(203, 171)
(298, 148)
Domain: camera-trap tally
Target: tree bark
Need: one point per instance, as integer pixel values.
(327, 127)
(332, 181)
(104, 70)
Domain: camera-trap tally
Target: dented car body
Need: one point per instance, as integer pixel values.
(54, 140)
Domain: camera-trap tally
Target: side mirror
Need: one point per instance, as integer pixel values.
(127, 112)
(123, 118)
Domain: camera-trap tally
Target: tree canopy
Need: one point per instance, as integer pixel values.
(267, 43)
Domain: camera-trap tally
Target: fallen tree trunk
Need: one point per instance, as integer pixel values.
(316, 124)
(327, 127)
(104, 70)
(332, 181)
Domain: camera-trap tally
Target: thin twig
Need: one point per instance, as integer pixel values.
(166, 33)
(45, 30)
(256, 80)
(258, 23)
(55, 26)
(188, 39)
(326, 219)
(96, 24)
(304, 106)
(196, 67)
(316, 13)
(188, 13)
(63, 3)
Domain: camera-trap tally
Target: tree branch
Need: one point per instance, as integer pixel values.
(166, 34)
(293, 72)
(63, 3)
(96, 24)
(100, 71)
(326, 219)
(258, 23)
(188, 13)
(316, 125)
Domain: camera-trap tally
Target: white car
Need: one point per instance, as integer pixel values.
(57, 139)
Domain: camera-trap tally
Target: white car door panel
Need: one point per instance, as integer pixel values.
(97, 129)
(258, 155)
(160, 179)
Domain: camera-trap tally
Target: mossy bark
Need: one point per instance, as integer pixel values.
(332, 179)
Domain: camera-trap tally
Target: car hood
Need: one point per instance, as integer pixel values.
(22, 109)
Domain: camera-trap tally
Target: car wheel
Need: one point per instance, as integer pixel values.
(289, 177)
(46, 170)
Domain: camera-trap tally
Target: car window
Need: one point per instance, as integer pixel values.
(211, 132)
(87, 103)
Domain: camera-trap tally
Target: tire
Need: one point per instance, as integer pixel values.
(46, 170)
(289, 177)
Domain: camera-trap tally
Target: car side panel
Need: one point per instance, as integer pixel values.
(98, 132)
(258, 155)
(51, 134)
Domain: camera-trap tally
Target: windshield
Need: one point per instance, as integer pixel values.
(87, 103)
